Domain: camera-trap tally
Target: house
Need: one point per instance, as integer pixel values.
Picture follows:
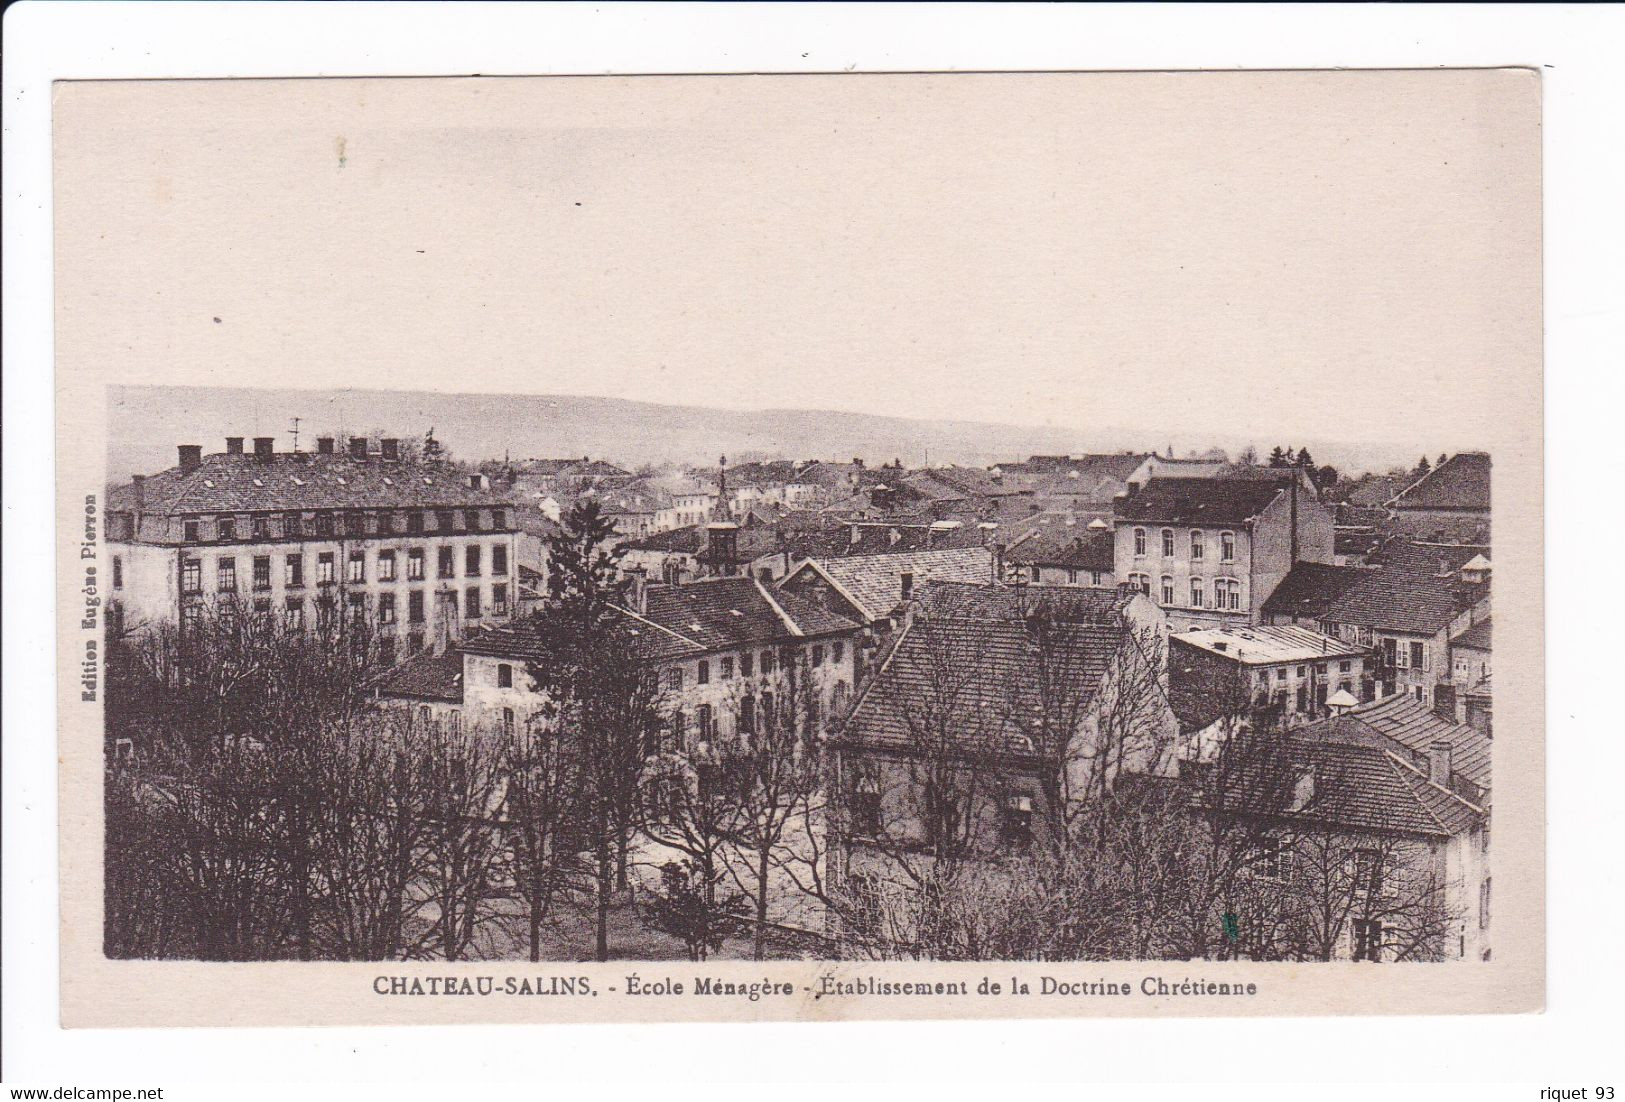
(1390, 857)
(726, 651)
(1062, 549)
(983, 713)
(1292, 672)
(410, 549)
(1210, 551)
(1406, 606)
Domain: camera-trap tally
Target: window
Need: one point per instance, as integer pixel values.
(1167, 543)
(1345, 666)
(118, 572)
(1367, 939)
(386, 608)
(414, 606)
(442, 520)
(1274, 858)
(1280, 674)
(324, 524)
(293, 614)
(1197, 595)
(499, 520)
(499, 559)
(358, 567)
(386, 566)
(1227, 594)
(225, 572)
(504, 675)
(1198, 544)
(225, 529)
(679, 729)
(192, 576)
(1419, 656)
(471, 519)
(189, 531)
(1227, 547)
(324, 568)
(293, 571)
(507, 721)
(1303, 697)
(262, 572)
(414, 522)
(1139, 543)
(447, 563)
(863, 817)
(471, 560)
(767, 661)
(1142, 582)
(768, 714)
(837, 651)
(747, 715)
(1390, 652)
(708, 729)
(747, 664)
(291, 525)
(355, 524)
(674, 679)
(837, 699)
(703, 673)
(358, 609)
(499, 599)
(1167, 589)
(1016, 820)
(414, 564)
(1366, 865)
(1484, 904)
(725, 668)
(817, 654)
(471, 602)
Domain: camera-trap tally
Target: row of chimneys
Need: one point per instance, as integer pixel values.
(191, 455)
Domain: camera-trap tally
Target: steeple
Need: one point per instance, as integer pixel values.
(720, 557)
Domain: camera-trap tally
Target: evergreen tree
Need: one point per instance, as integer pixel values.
(1424, 466)
(1277, 456)
(1443, 458)
(1304, 459)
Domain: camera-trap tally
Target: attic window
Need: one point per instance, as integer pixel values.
(257, 482)
(298, 482)
(342, 482)
(735, 612)
(387, 482)
(209, 482)
(428, 481)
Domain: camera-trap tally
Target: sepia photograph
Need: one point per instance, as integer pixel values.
(800, 546)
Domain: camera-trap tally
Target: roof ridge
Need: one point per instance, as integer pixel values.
(874, 678)
(675, 634)
(795, 628)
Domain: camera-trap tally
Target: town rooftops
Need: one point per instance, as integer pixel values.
(1363, 785)
(1074, 546)
(1200, 501)
(1410, 730)
(873, 583)
(689, 540)
(1264, 645)
(245, 483)
(1461, 482)
(1403, 595)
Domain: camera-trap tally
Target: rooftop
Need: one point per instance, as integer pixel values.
(1265, 645)
(1477, 636)
(426, 676)
(1411, 730)
(1200, 500)
(873, 583)
(1460, 482)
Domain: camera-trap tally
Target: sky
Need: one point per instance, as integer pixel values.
(1266, 255)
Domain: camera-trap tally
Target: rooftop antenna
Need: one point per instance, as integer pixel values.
(295, 431)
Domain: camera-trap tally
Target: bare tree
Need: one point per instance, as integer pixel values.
(460, 788)
(541, 777)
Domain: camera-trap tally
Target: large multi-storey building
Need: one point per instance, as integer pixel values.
(1210, 551)
(415, 550)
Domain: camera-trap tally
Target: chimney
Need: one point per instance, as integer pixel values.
(234, 445)
(191, 457)
(478, 482)
(998, 561)
(907, 581)
(264, 448)
(324, 445)
(390, 448)
(1439, 763)
(358, 447)
(1133, 488)
(138, 491)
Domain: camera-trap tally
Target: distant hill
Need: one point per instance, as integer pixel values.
(147, 423)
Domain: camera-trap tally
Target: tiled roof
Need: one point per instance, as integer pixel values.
(426, 676)
(1460, 482)
(1076, 546)
(225, 483)
(529, 638)
(1477, 636)
(874, 582)
(1415, 726)
(968, 672)
(982, 601)
(1397, 600)
(1309, 589)
(1199, 500)
(722, 613)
